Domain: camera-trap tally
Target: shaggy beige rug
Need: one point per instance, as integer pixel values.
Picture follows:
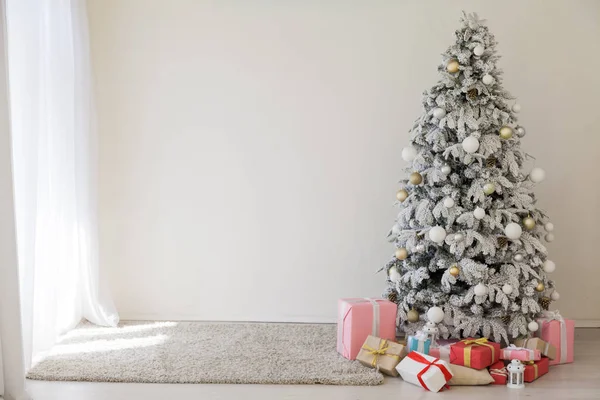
(196, 352)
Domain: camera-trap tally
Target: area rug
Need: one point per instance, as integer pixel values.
(196, 352)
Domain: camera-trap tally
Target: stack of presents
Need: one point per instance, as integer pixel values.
(367, 333)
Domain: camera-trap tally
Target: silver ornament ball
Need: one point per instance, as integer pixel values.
(459, 237)
(521, 131)
(518, 257)
(439, 113)
(446, 169)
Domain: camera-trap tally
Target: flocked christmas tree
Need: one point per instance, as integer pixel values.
(469, 234)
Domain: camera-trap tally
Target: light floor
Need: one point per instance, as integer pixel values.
(580, 380)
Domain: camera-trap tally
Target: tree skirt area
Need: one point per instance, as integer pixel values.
(197, 352)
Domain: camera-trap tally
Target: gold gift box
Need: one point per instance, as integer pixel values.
(381, 354)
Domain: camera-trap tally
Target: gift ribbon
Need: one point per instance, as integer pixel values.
(343, 315)
(512, 347)
(555, 316)
(419, 358)
(502, 371)
(381, 351)
(421, 338)
(477, 342)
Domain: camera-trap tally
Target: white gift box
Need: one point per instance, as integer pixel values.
(422, 370)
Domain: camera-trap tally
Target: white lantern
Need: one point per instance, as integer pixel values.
(431, 330)
(516, 374)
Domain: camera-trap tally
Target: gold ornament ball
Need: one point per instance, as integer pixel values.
(454, 271)
(401, 253)
(401, 195)
(452, 66)
(540, 287)
(415, 178)
(489, 188)
(413, 316)
(506, 132)
(528, 223)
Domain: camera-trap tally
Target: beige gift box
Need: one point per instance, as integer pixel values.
(381, 354)
(545, 348)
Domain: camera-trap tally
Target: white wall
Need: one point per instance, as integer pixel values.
(250, 149)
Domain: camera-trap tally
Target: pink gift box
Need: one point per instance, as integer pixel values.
(513, 352)
(361, 317)
(559, 332)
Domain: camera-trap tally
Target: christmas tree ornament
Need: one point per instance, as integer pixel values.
(454, 270)
(540, 287)
(555, 296)
(487, 79)
(394, 275)
(507, 289)
(490, 162)
(459, 237)
(437, 234)
(470, 144)
(505, 319)
(472, 94)
(448, 202)
(452, 66)
(518, 257)
(401, 195)
(549, 237)
(479, 213)
(516, 375)
(409, 153)
(393, 297)
(528, 223)
(446, 169)
(506, 132)
(478, 50)
(435, 315)
(489, 188)
(521, 131)
(516, 108)
(549, 266)
(537, 175)
(513, 231)
(502, 241)
(415, 178)
(549, 227)
(480, 289)
(533, 326)
(544, 302)
(439, 113)
(412, 316)
(401, 253)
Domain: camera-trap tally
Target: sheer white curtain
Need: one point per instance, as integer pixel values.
(54, 156)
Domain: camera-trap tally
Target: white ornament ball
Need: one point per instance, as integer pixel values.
(516, 108)
(521, 131)
(409, 153)
(437, 234)
(537, 175)
(448, 202)
(394, 275)
(513, 231)
(549, 266)
(435, 315)
(555, 296)
(446, 169)
(487, 79)
(470, 144)
(439, 113)
(549, 237)
(533, 326)
(459, 237)
(479, 213)
(507, 289)
(518, 257)
(478, 50)
(480, 289)
(549, 227)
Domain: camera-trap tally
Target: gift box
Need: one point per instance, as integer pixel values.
(425, 371)
(419, 342)
(381, 354)
(441, 352)
(361, 317)
(474, 353)
(513, 352)
(559, 332)
(545, 348)
(499, 373)
(535, 369)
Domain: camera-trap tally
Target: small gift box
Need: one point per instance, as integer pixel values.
(381, 354)
(361, 317)
(474, 353)
(545, 348)
(559, 332)
(499, 373)
(441, 352)
(535, 369)
(513, 352)
(419, 342)
(425, 371)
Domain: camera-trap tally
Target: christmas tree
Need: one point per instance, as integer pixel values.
(469, 252)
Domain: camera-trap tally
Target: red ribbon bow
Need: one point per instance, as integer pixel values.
(419, 358)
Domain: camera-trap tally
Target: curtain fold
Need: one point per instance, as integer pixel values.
(55, 174)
